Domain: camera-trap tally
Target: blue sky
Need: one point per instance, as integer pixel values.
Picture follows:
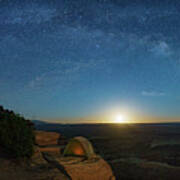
(66, 58)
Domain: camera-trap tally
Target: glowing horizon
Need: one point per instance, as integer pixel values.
(115, 119)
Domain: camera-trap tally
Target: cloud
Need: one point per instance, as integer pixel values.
(161, 49)
(152, 93)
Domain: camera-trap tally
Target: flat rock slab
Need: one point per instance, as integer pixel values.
(44, 138)
(51, 150)
(93, 169)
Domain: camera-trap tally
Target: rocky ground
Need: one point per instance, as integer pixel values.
(48, 163)
(38, 169)
(134, 152)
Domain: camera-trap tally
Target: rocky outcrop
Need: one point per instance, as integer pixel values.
(72, 166)
(43, 138)
(91, 169)
(50, 142)
(78, 168)
(48, 163)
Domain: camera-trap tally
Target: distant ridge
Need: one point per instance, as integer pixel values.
(38, 122)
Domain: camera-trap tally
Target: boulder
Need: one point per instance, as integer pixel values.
(43, 138)
(90, 169)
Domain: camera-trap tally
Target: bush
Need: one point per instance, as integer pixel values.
(16, 134)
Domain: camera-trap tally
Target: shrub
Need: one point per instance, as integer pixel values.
(16, 134)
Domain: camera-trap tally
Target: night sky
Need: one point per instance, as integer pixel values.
(82, 58)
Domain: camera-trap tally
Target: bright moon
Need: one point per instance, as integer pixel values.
(120, 119)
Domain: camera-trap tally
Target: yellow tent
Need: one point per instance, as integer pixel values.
(79, 146)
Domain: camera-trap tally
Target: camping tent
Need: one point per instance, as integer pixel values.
(79, 146)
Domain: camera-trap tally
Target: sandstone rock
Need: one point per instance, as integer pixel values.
(52, 150)
(43, 138)
(37, 157)
(92, 169)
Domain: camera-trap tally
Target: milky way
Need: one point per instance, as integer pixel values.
(64, 58)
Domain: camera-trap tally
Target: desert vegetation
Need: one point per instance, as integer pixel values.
(16, 134)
